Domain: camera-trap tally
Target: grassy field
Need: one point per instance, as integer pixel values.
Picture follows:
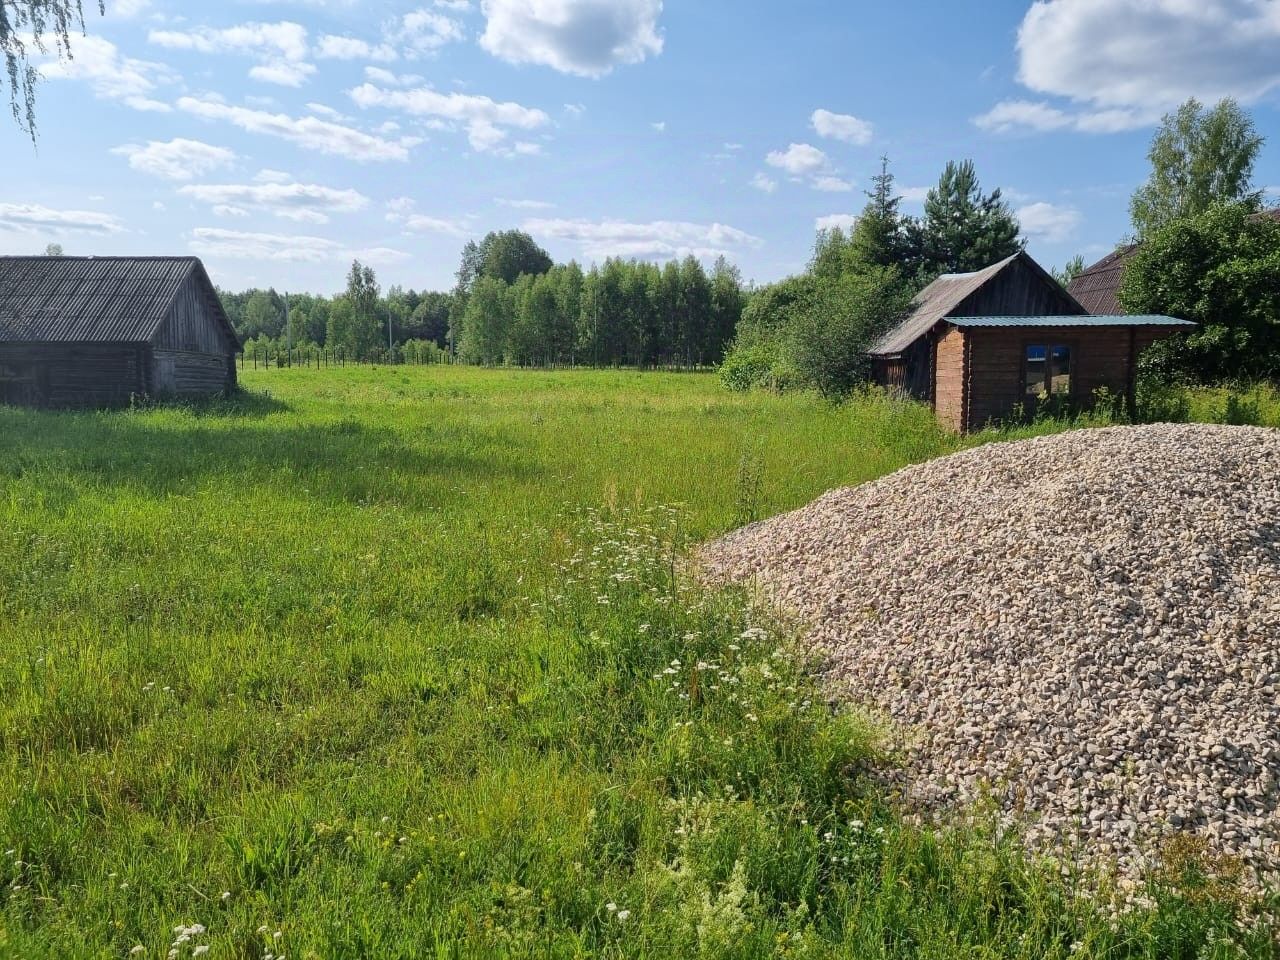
(399, 664)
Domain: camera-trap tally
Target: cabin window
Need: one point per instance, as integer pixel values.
(1060, 372)
(1037, 364)
(1048, 371)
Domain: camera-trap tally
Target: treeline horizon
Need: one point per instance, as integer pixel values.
(511, 305)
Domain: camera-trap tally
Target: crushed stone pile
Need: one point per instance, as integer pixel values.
(1087, 624)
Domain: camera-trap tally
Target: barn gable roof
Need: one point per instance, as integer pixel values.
(96, 299)
(944, 297)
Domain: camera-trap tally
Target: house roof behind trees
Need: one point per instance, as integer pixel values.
(1098, 287)
(96, 299)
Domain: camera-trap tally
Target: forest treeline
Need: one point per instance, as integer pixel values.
(512, 305)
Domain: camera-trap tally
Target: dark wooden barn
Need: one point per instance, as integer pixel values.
(99, 331)
(989, 345)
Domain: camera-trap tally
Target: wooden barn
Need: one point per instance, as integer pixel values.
(988, 345)
(99, 331)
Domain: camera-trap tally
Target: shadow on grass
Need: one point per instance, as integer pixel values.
(164, 452)
(245, 404)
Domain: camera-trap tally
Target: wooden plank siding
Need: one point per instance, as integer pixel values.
(1019, 291)
(995, 380)
(186, 374)
(60, 376)
(189, 326)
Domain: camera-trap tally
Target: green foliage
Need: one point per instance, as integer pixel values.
(878, 239)
(486, 323)
(1072, 269)
(1199, 159)
(503, 255)
(830, 337)
(813, 332)
(27, 25)
(401, 661)
(963, 229)
(430, 319)
(1221, 269)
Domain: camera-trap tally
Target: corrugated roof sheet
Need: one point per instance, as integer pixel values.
(1098, 288)
(91, 299)
(933, 304)
(1145, 320)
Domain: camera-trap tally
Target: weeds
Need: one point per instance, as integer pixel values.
(392, 670)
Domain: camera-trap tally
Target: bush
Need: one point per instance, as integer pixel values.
(748, 367)
(1220, 269)
(813, 332)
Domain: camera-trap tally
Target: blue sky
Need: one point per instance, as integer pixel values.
(278, 140)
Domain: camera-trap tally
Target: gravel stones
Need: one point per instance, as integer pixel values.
(1086, 624)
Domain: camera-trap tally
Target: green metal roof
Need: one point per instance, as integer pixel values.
(1142, 320)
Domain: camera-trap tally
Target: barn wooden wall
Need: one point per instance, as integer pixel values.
(188, 374)
(79, 375)
(191, 326)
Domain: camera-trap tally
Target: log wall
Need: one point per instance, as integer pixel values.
(61, 376)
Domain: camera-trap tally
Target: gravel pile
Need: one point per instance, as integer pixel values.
(1089, 624)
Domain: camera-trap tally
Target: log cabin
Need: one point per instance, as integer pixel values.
(102, 331)
(989, 346)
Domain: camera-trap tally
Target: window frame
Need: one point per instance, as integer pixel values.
(1049, 344)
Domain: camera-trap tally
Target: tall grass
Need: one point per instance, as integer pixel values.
(400, 664)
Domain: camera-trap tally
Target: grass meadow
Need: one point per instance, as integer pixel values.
(400, 663)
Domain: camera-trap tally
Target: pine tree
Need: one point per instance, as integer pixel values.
(963, 229)
(877, 238)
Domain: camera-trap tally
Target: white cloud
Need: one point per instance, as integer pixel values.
(112, 76)
(282, 248)
(306, 202)
(176, 159)
(660, 126)
(309, 132)
(34, 218)
(422, 32)
(326, 111)
(660, 239)
(832, 185)
(574, 109)
(400, 210)
(457, 6)
(420, 223)
(764, 183)
(486, 120)
(841, 221)
(331, 47)
(1120, 64)
(1048, 222)
(267, 175)
(281, 48)
(388, 79)
(524, 204)
(913, 194)
(587, 38)
(800, 160)
(841, 126)
(128, 9)
(1010, 116)
(238, 245)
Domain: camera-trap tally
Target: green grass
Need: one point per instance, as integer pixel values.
(398, 663)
